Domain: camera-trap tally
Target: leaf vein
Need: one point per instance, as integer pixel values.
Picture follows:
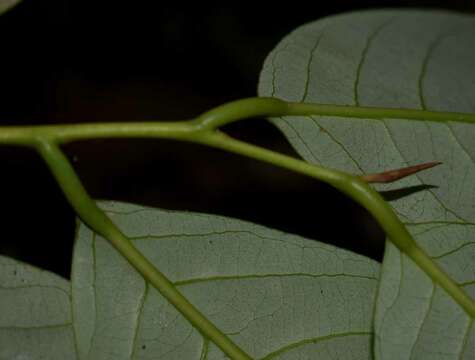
(264, 276)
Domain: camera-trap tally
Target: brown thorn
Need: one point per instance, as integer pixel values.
(394, 175)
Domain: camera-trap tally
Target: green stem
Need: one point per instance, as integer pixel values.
(94, 217)
(62, 134)
(272, 107)
(213, 119)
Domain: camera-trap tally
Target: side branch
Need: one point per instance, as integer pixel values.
(95, 218)
(272, 107)
(361, 192)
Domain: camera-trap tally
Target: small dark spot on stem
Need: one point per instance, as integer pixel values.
(14, 272)
(143, 347)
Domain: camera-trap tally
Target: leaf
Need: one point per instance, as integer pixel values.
(35, 313)
(6, 5)
(409, 59)
(275, 294)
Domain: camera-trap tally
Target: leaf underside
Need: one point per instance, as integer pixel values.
(277, 295)
(262, 287)
(402, 59)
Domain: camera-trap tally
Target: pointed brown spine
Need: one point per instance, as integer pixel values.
(397, 174)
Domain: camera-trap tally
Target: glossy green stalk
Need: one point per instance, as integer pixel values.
(272, 107)
(95, 218)
(363, 194)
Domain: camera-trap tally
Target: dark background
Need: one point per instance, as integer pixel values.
(76, 61)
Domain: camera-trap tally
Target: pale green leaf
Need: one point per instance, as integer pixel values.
(6, 5)
(277, 295)
(35, 313)
(274, 294)
(410, 59)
